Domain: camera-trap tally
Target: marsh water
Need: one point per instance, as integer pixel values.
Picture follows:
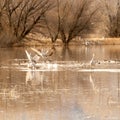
(68, 94)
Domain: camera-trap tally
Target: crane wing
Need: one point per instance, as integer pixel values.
(37, 52)
(28, 56)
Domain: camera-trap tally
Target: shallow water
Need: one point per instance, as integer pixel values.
(69, 94)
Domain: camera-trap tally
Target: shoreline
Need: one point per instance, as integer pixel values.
(82, 41)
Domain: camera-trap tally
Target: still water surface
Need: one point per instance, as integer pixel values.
(60, 95)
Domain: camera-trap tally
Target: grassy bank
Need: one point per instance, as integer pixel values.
(83, 41)
(103, 41)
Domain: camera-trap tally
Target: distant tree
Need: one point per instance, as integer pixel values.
(52, 22)
(2, 5)
(21, 17)
(71, 19)
(112, 18)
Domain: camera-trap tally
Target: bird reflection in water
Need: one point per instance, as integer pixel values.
(94, 87)
(35, 78)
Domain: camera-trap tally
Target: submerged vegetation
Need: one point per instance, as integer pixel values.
(57, 19)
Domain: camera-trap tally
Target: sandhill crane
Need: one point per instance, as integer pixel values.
(42, 53)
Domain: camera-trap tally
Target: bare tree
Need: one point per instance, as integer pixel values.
(80, 20)
(2, 5)
(52, 22)
(112, 18)
(71, 19)
(22, 17)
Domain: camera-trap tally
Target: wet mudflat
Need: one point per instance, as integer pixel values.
(70, 94)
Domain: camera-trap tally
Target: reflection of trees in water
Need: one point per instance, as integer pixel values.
(75, 53)
(109, 52)
(84, 53)
(7, 54)
(66, 52)
(114, 54)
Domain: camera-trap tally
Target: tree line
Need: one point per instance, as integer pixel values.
(57, 19)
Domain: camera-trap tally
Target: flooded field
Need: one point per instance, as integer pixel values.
(61, 89)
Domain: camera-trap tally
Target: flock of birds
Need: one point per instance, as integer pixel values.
(46, 53)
